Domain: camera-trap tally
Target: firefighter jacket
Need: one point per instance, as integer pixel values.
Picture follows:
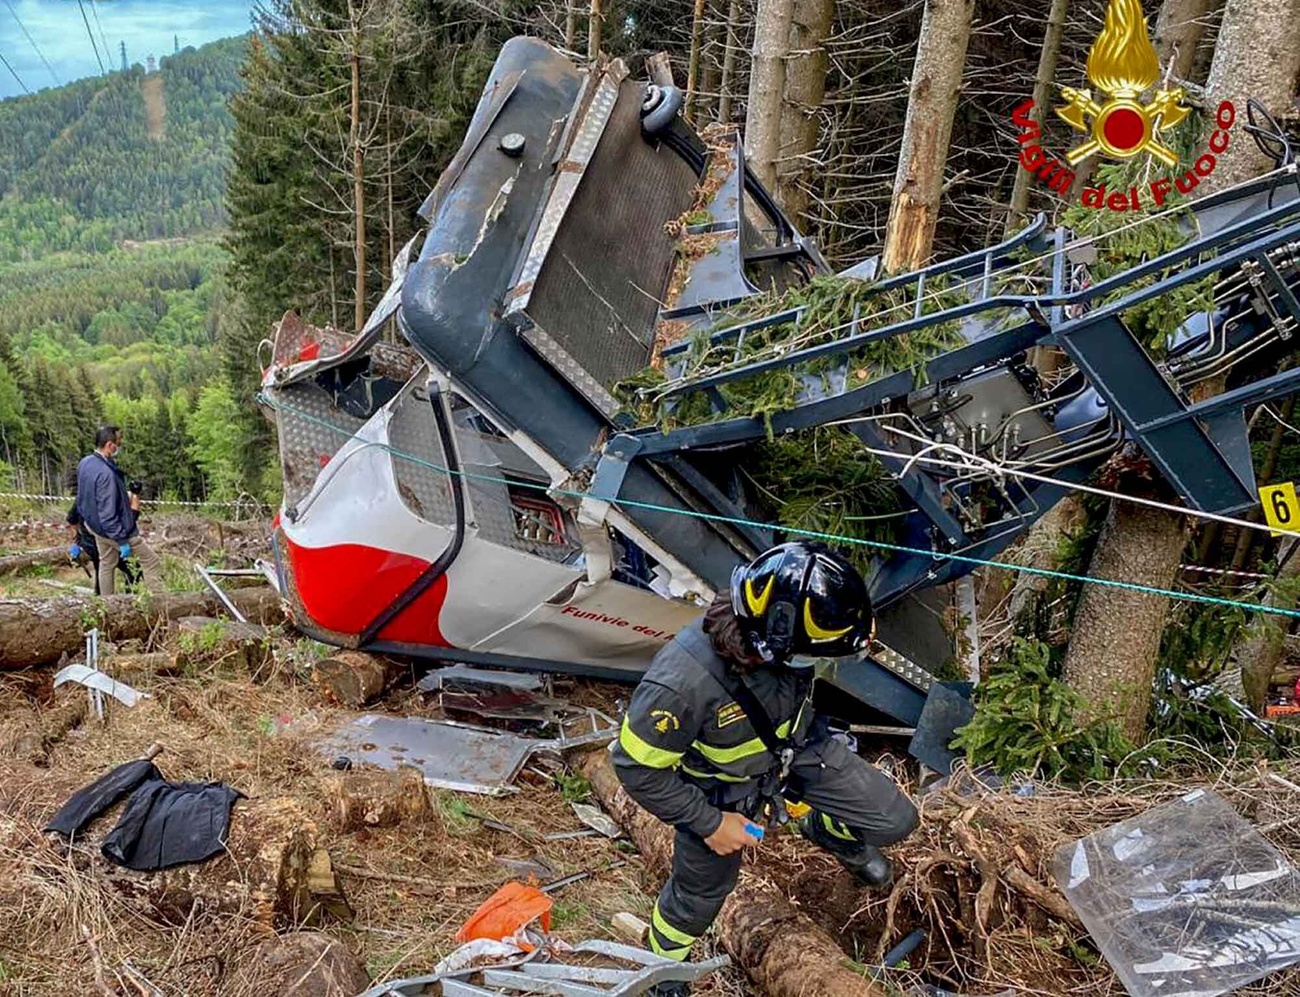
(686, 747)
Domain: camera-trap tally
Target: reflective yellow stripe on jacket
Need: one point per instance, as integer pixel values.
(643, 752)
(723, 756)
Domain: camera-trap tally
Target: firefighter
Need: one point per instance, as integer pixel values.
(721, 738)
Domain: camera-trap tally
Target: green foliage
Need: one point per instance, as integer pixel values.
(455, 812)
(1199, 637)
(215, 441)
(80, 169)
(126, 335)
(574, 788)
(1025, 722)
(1155, 321)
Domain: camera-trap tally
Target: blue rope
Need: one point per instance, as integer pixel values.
(1253, 607)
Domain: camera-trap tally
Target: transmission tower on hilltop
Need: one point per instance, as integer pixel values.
(122, 47)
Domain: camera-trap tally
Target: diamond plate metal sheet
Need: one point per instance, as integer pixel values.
(311, 431)
(595, 300)
(906, 669)
(413, 433)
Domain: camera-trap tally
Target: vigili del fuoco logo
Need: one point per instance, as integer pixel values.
(1117, 122)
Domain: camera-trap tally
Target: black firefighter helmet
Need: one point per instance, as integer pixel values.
(801, 599)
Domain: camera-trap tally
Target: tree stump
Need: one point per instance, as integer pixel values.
(304, 964)
(268, 871)
(354, 678)
(375, 798)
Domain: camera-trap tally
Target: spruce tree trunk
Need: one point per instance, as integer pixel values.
(931, 106)
(595, 21)
(1115, 638)
(1043, 92)
(1257, 55)
(767, 89)
(358, 180)
(1263, 652)
(729, 61)
(1178, 31)
(693, 67)
(805, 88)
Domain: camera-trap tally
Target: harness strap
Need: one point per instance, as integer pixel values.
(734, 685)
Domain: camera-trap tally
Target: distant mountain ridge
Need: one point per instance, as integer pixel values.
(122, 156)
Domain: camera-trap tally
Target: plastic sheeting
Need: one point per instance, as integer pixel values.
(1185, 900)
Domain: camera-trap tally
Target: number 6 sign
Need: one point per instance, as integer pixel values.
(1281, 508)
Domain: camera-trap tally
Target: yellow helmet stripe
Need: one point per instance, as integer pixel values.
(758, 603)
(815, 632)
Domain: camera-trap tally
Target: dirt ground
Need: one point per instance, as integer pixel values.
(65, 925)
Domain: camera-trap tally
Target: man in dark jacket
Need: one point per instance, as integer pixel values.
(721, 739)
(110, 512)
(83, 542)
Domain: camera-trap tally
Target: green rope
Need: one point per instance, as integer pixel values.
(1254, 607)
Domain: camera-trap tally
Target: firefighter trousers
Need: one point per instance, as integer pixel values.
(855, 802)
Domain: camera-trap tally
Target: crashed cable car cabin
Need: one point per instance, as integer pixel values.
(480, 495)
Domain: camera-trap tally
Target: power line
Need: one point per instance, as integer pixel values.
(28, 35)
(85, 20)
(15, 73)
(94, 11)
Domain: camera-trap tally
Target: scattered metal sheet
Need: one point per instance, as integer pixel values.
(535, 868)
(578, 877)
(510, 973)
(596, 820)
(465, 675)
(98, 681)
(586, 832)
(1185, 898)
(450, 755)
(504, 704)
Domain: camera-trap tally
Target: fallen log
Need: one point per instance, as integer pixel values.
(369, 798)
(355, 678)
(37, 631)
(778, 946)
(33, 559)
(228, 644)
(31, 737)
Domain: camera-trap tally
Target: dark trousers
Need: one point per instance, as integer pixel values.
(857, 803)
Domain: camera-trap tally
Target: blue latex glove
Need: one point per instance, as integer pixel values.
(74, 551)
(753, 830)
(125, 551)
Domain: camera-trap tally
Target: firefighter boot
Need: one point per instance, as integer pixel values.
(866, 862)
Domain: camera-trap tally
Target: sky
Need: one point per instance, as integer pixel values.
(147, 26)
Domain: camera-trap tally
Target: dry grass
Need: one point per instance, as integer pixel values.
(257, 737)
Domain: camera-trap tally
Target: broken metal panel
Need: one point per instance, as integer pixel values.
(333, 346)
(97, 681)
(311, 430)
(450, 755)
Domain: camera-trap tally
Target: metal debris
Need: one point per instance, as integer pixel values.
(451, 755)
(208, 579)
(534, 868)
(100, 682)
(533, 975)
(465, 675)
(578, 877)
(596, 820)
